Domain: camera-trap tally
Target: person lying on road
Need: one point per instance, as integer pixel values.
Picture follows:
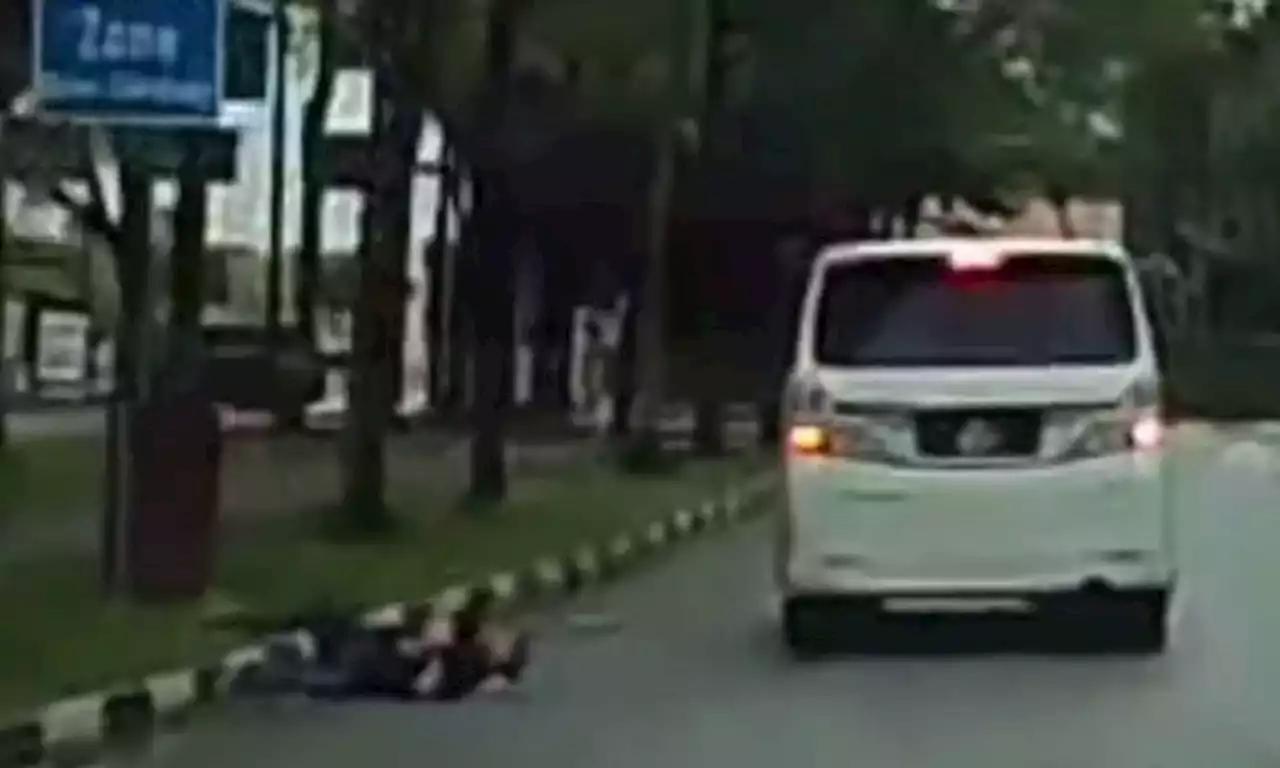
(442, 659)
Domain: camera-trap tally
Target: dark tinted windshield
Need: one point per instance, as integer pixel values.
(1031, 310)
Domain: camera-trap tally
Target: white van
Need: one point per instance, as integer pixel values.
(975, 424)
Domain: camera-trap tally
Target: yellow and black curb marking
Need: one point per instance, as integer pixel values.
(86, 725)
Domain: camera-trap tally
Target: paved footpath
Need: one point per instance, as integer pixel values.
(693, 678)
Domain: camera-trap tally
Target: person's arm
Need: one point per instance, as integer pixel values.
(426, 684)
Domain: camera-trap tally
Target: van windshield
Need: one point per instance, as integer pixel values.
(1030, 310)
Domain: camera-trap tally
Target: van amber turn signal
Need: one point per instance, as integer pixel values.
(809, 440)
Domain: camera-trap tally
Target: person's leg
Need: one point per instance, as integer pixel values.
(461, 669)
(489, 662)
(589, 394)
(282, 671)
(509, 657)
(331, 683)
(461, 652)
(400, 676)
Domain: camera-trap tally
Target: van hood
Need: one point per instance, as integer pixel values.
(948, 387)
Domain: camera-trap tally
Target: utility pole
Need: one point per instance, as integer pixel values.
(709, 416)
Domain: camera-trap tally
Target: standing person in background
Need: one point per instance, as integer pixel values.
(601, 336)
(601, 346)
(612, 325)
(595, 363)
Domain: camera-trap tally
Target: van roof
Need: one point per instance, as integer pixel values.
(934, 245)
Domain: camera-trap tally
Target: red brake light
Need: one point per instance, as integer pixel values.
(978, 260)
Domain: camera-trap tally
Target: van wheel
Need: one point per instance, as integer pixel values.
(1127, 622)
(803, 627)
(1144, 623)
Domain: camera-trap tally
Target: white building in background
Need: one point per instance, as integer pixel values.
(240, 212)
(240, 215)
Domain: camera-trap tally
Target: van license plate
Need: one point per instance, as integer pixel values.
(957, 605)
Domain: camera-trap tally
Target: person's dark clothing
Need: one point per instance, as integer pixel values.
(353, 661)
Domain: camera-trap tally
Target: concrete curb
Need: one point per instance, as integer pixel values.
(85, 725)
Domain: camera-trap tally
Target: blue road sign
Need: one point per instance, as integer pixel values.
(130, 61)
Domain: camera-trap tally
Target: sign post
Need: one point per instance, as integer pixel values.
(134, 62)
(129, 66)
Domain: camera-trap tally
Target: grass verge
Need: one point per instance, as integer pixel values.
(60, 639)
(51, 476)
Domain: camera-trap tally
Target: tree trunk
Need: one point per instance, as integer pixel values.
(88, 288)
(645, 450)
(554, 337)
(1060, 199)
(497, 235)
(860, 222)
(278, 141)
(912, 211)
(395, 343)
(440, 282)
(133, 259)
(709, 406)
(6, 372)
(379, 312)
(32, 309)
(880, 224)
(456, 395)
(187, 261)
(791, 277)
(624, 373)
(306, 297)
(397, 240)
(93, 338)
(530, 278)
(307, 286)
(708, 424)
(494, 325)
(97, 210)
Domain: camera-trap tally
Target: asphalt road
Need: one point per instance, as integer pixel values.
(694, 676)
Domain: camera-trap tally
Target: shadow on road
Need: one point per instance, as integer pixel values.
(925, 635)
